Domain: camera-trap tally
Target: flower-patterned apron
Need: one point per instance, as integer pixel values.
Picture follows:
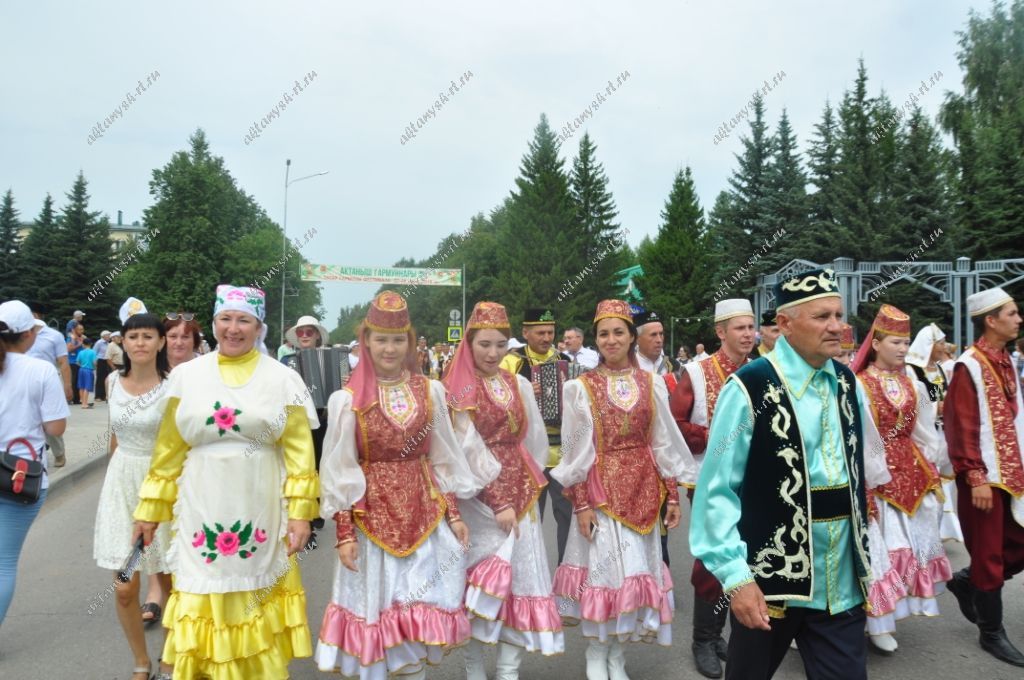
(230, 518)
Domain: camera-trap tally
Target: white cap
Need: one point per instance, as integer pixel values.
(986, 301)
(131, 307)
(18, 316)
(354, 343)
(78, 312)
(115, 334)
(104, 333)
(727, 309)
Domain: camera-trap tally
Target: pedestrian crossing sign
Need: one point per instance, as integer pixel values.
(454, 333)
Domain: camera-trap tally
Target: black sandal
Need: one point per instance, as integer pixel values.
(151, 608)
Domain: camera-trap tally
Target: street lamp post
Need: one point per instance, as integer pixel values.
(284, 232)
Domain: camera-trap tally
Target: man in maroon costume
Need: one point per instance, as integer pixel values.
(985, 440)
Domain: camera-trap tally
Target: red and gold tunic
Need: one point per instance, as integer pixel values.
(500, 418)
(402, 505)
(893, 401)
(985, 448)
(694, 418)
(624, 482)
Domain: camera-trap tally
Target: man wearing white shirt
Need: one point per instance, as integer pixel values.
(584, 356)
(701, 354)
(650, 343)
(51, 347)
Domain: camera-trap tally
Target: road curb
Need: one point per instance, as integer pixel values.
(74, 477)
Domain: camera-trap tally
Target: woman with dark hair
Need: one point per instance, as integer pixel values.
(622, 455)
(232, 474)
(32, 406)
(183, 337)
(496, 417)
(392, 469)
(909, 566)
(137, 399)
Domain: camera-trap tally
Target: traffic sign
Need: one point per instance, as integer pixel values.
(454, 333)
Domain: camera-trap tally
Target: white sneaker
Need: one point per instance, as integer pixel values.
(884, 643)
(597, 660)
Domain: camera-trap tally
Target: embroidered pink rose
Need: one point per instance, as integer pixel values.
(235, 540)
(235, 294)
(224, 418)
(227, 543)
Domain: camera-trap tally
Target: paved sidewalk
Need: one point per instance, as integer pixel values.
(86, 443)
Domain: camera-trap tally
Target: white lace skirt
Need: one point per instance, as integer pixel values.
(113, 531)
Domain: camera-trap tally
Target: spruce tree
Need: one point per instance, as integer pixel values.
(825, 238)
(674, 282)
(38, 265)
(10, 242)
(786, 204)
(539, 252)
(83, 256)
(854, 184)
(749, 188)
(601, 243)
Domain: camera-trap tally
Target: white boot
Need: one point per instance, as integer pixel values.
(597, 660)
(420, 674)
(884, 643)
(617, 662)
(474, 655)
(509, 658)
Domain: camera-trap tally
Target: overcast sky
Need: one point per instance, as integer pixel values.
(224, 65)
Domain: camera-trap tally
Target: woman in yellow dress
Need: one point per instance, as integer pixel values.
(233, 472)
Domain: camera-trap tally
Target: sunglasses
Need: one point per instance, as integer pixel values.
(185, 316)
(305, 332)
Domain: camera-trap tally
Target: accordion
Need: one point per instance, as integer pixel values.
(324, 370)
(551, 377)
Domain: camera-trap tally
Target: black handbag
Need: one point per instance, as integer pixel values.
(21, 479)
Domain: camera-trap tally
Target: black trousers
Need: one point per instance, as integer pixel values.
(561, 508)
(832, 646)
(75, 395)
(102, 371)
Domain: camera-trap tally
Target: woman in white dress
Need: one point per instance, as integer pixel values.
(622, 457)
(391, 472)
(496, 417)
(233, 473)
(136, 399)
(909, 566)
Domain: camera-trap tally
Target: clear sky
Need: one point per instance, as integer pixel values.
(224, 65)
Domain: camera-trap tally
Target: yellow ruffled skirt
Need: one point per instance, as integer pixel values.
(238, 636)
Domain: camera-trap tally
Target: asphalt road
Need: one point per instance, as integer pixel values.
(50, 634)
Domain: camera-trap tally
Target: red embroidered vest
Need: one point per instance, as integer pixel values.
(624, 482)
(402, 505)
(895, 414)
(500, 419)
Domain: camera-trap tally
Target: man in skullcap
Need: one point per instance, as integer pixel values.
(985, 438)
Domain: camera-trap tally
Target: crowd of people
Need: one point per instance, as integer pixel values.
(822, 476)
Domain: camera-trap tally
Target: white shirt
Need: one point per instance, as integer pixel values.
(31, 394)
(659, 367)
(101, 349)
(701, 356)
(49, 345)
(586, 357)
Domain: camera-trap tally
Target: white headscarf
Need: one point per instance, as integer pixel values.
(920, 352)
(252, 301)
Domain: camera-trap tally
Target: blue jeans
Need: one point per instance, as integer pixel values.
(15, 520)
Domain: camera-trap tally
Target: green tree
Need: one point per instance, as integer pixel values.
(538, 252)
(786, 204)
(10, 242)
(37, 257)
(673, 283)
(749, 204)
(825, 238)
(600, 237)
(83, 257)
(204, 230)
(987, 124)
